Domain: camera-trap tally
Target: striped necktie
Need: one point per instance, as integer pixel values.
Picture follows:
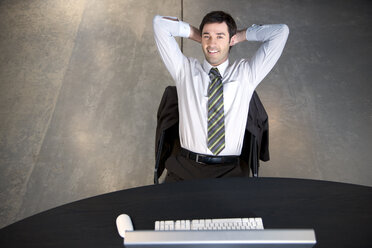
(216, 118)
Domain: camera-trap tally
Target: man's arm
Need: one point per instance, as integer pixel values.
(240, 36)
(273, 38)
(195, 34)
(165, 31)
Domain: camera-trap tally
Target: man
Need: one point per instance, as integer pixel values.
(213, 97)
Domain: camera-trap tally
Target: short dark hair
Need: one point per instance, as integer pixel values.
(219, 17)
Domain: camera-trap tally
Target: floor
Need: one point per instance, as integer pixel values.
(80, 83)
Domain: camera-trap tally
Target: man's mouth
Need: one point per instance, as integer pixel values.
(212, 51)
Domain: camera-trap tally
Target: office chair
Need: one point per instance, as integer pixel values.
(167, 137)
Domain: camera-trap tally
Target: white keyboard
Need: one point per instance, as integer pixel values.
(210, 224)
(236, 232)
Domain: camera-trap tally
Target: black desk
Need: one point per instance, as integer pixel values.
(341, 214)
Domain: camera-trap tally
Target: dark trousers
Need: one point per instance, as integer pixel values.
(181, 168)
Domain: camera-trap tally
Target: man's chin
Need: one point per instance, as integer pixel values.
(213, 62)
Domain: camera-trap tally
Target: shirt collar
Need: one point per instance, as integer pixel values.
(221, 68)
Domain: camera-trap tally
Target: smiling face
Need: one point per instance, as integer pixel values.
(216, 43)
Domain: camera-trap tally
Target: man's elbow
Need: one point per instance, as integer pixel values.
(284, 29)
(158, 24)
(156, 20)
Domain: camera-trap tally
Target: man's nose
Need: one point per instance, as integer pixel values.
(211, 41)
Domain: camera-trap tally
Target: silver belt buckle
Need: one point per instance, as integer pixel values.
(197, 159)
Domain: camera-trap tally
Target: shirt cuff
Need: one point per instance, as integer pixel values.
(251, 32)
(184, 29)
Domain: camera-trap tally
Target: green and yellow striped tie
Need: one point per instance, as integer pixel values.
(216, 118)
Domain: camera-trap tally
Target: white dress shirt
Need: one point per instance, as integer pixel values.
(239, 82)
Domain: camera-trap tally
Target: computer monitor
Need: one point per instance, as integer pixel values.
(267, 238)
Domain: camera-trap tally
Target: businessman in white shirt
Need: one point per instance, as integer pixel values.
(214, 96)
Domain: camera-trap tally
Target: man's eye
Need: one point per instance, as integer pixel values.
(219, 37)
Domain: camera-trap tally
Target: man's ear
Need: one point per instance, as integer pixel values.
(232, 40)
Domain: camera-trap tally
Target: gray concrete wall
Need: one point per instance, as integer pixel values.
(80, 83)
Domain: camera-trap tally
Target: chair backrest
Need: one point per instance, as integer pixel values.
(255, 144)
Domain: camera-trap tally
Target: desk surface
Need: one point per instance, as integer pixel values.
(341, 214)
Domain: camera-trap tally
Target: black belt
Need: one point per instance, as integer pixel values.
(206, 159)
